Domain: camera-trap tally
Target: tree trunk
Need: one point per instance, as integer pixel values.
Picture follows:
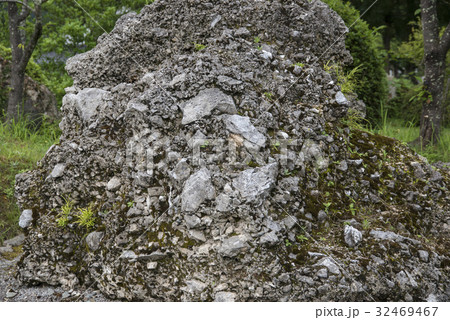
(435, 50)
(16, 95)
(20, 50)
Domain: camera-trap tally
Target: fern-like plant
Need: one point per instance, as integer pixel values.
(85, 217)
(63, 216)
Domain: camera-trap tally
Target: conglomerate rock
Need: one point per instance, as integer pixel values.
(203, 157)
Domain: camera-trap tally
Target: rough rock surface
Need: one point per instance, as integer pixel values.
(39, 100)
(246, 200)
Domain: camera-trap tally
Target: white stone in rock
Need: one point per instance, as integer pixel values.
(242, 126)
(204, 103)
(197, 189)
(26, 218)
(352, 236)
(113, 184)
(254, 184)
(340, 98)
(233, 246)
(58, 170)
(93, 239)
(329, 264)
(224, 296)
(87, 101)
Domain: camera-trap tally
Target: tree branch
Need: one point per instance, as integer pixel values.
(19, 2)
(445, 40)
(36, 34)
(25, 11)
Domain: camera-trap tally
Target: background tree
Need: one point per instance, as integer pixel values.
(435, 51)
(22, 48)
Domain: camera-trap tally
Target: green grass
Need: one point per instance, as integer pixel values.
(397, 129)
(21, 147)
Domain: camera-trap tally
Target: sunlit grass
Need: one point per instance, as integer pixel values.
(406, 132)
(21, 147)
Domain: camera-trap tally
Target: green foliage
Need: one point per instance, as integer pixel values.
(346, 80)
(365, 47)
(407, 132)
(409, 93)
(85, 217)
(199, 47)
(21, 147)
(302, 238)
(63, 216)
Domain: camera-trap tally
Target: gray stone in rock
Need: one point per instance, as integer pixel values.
(16, 241)
(233, 246)
(340, 98)
(197, 235)
(152, 265)
(269, 238)
(328, 263)
(197, 189)
(266, 55)
(6, 249)
(26, 218)
(181, 171)
(352, 236)
(224, 296)
(191, 221)
(128, 255)
(87, 101)
(65, 295)
(205, 103)
(228, 81)
(93, 240)
(242, 126)
(58, 170)
(223, 203)
(290, 222)
(154, 256)
(343, 166)
(113, 184)
(423, 255)
(405, 279)
(242, 32)
(195, 286)
(419, 173)
(11, 294)
(322, 216)
(322, 273)
(215, 21)
(308, 280)
(389, 235)
(255, 184)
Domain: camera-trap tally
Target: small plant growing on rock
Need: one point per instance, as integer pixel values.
(301, 238)
(327, 206)
(85, 217)
(298, 64)
(257, 39)
(287, 243)
(366, 224)
(199, 47)
(63, 216)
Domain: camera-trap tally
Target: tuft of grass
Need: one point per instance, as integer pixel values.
(22, 145)
(407, 132)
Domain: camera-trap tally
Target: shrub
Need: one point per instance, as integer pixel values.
(364, 46)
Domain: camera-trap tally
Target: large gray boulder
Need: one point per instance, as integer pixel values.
(197, 165)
